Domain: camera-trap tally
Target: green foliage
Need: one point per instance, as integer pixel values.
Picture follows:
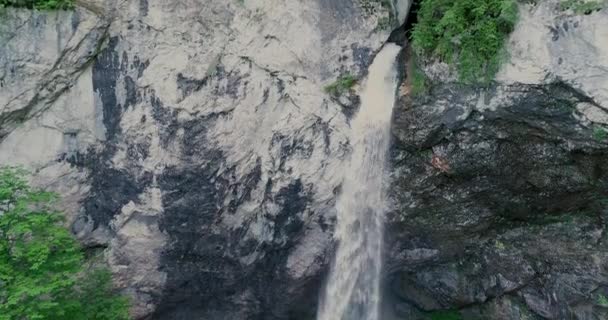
(343, 84)
(419, 80)
(600, 134)
(602, 300)
(41, 264)
(445, 315)
(419, 85)
(469, 34)
(38, 257)
(39, 4)
(581, 6)
(97, 298)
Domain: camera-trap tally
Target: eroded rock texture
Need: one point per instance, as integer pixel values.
(192, 142)
(500, 192)
(501, 204)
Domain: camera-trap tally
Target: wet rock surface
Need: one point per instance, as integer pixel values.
(500, 200)
(193, 143)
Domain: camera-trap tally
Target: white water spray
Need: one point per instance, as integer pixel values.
(353, 288)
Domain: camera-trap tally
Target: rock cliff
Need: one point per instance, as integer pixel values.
(193, 144)
(191, 141)
(500, 192)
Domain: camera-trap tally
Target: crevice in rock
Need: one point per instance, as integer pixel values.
(401, 34)
(273, 73)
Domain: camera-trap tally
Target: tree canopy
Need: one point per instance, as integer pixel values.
(39, 4)
(469, 34)
(42, 267)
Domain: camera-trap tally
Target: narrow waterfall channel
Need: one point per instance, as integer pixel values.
(353, 288)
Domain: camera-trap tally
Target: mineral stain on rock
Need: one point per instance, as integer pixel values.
(193, 143)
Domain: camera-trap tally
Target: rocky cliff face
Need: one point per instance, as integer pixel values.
(501, 192)
(193, 144)
(192, 141)
(500, 211)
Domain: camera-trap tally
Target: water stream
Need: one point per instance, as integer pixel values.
(353, 288)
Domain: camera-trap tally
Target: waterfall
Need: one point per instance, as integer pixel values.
(353, 288)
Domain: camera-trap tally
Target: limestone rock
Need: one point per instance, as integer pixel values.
(192, 140)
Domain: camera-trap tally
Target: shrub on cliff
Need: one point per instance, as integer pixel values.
(469, 34)
(42, 272)
(445, 315)
(342, 85)
(39, 4)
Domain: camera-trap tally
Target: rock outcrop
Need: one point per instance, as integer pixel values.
(192, 141)
(500, 208)
(500, 193)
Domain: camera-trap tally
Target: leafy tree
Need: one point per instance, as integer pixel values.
(97, 300)
(38, 4)
(469, 34)
(41, 264)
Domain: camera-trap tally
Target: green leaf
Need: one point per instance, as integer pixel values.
(41, 264)
(39, 4)
(467, 34)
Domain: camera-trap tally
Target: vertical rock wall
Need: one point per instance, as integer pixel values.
(192, 141)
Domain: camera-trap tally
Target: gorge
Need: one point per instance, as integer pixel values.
(225, 158)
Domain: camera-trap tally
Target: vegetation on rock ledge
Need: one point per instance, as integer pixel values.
(42, 268)
(39, 4)
(469, 34)
(600, 134)
(419, 80)
(445, 315)
(343, 84)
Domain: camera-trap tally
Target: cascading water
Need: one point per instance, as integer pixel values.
(353, 288)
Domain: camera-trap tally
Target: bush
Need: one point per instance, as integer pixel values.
(445, 315)
(469, 34)
(602, 300)
(97, 300)
(600, 134)
(41, 264)
(39, 4)
(419, 81)
(343, 84)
